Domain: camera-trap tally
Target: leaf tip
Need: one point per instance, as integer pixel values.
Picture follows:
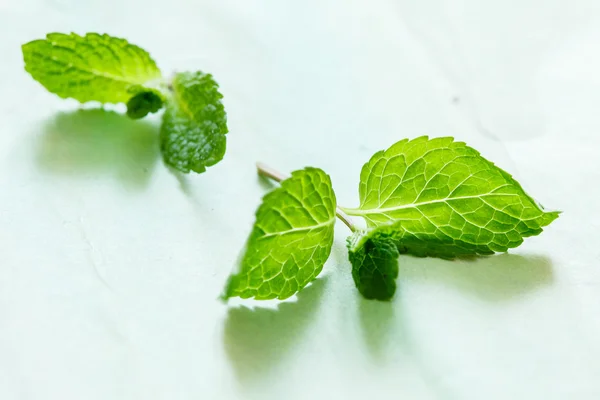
(550, 216)
(224, 297)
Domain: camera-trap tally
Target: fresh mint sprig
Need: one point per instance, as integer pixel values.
(107, 69)
(423, 197)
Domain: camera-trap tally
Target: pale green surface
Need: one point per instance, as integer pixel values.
(438, 197)
(291, 238)
(111, 267)
(192, 135)
(92, 67)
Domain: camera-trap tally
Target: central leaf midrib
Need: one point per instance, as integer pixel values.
(183, 105)
(300, 229)
(107, 75)
(359, 211)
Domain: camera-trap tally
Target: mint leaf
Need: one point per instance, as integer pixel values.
(291, 238)
(438, 197)
(93, 67)
(374, 259)
(193, 132)
(144, 102)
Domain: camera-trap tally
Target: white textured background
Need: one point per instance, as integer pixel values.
(110, 266)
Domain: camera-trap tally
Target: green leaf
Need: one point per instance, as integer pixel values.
(144, 102)
(291, 238)
(193, 132)
(438, 197)
(93, 67)
(374, 259)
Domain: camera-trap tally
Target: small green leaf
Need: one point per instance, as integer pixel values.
(194, 125)
(374, 259)
(438, 197)
(144, 102)
(291, 238)
(93, 67)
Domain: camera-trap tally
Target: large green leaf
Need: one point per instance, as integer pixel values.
(193, 132)
(291, 238)
(438, 197)
(93, 67)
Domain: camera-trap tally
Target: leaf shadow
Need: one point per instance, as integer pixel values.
(89, 142)
(494, 278)
(377, 321)
(387, 338)
(183, 180)
(258, 340)
(502, 277)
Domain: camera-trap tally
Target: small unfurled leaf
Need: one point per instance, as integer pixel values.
(193, 132)
(438, 197)
(143, 103)
(291, 238)
(374, 259)
(93, 67)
